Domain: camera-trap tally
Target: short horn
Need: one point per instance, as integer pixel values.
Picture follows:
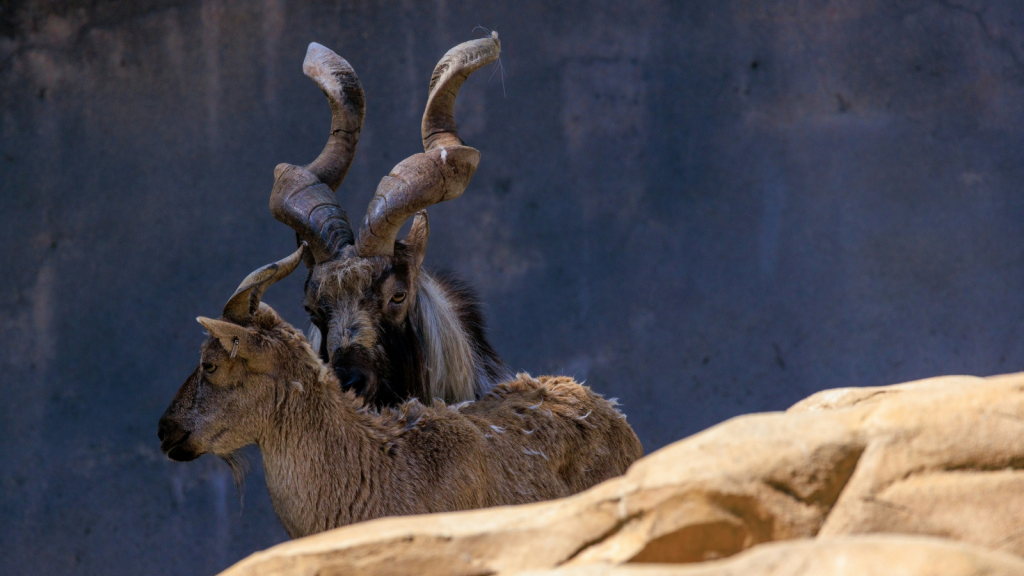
(303, 197)
(246, 299)
(442, 172)
(438, 127)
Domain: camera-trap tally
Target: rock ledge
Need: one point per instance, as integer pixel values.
(932, 470)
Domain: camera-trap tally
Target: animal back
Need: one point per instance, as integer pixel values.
(559, 434)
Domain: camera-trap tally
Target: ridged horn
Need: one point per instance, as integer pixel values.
(438, 126)
(246, 299)
(444, 170)
(303, 197)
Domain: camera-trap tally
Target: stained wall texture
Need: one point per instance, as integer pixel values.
(702, 208)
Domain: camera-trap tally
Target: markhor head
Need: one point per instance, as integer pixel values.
(363, 290)
(229, 399)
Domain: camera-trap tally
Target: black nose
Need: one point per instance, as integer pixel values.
(164, 429)
(173, 441)
(351, 379)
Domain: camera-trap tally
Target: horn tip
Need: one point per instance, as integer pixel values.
(316, 51)
(280, 169)
(318, 59)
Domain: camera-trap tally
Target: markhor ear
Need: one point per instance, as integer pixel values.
(416, 241)
(234, 338)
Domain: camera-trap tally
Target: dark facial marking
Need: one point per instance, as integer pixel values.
(173, 437)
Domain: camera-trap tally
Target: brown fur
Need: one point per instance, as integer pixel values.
(392, 331)
(331, 460)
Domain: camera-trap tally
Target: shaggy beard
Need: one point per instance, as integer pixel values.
(239, 466)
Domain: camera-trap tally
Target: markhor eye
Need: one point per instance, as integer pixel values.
(209, 367)
(398, 297)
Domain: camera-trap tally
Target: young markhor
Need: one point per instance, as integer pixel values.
(331, 460)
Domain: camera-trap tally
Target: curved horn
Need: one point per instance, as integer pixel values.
(348, 108)
(303, 197)
(444, 170)
(246, 299)
(301, 201)
(438, 127)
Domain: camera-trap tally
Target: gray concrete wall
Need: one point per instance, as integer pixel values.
(703, 208)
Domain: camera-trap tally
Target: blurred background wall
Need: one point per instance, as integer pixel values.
(702, 208)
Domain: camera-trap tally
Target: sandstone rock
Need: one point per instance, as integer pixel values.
(846, 556)
(937, 457)
(943, 459)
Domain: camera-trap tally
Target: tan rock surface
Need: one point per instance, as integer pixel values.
(889, 554)
(943, 459)
(936, 457)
